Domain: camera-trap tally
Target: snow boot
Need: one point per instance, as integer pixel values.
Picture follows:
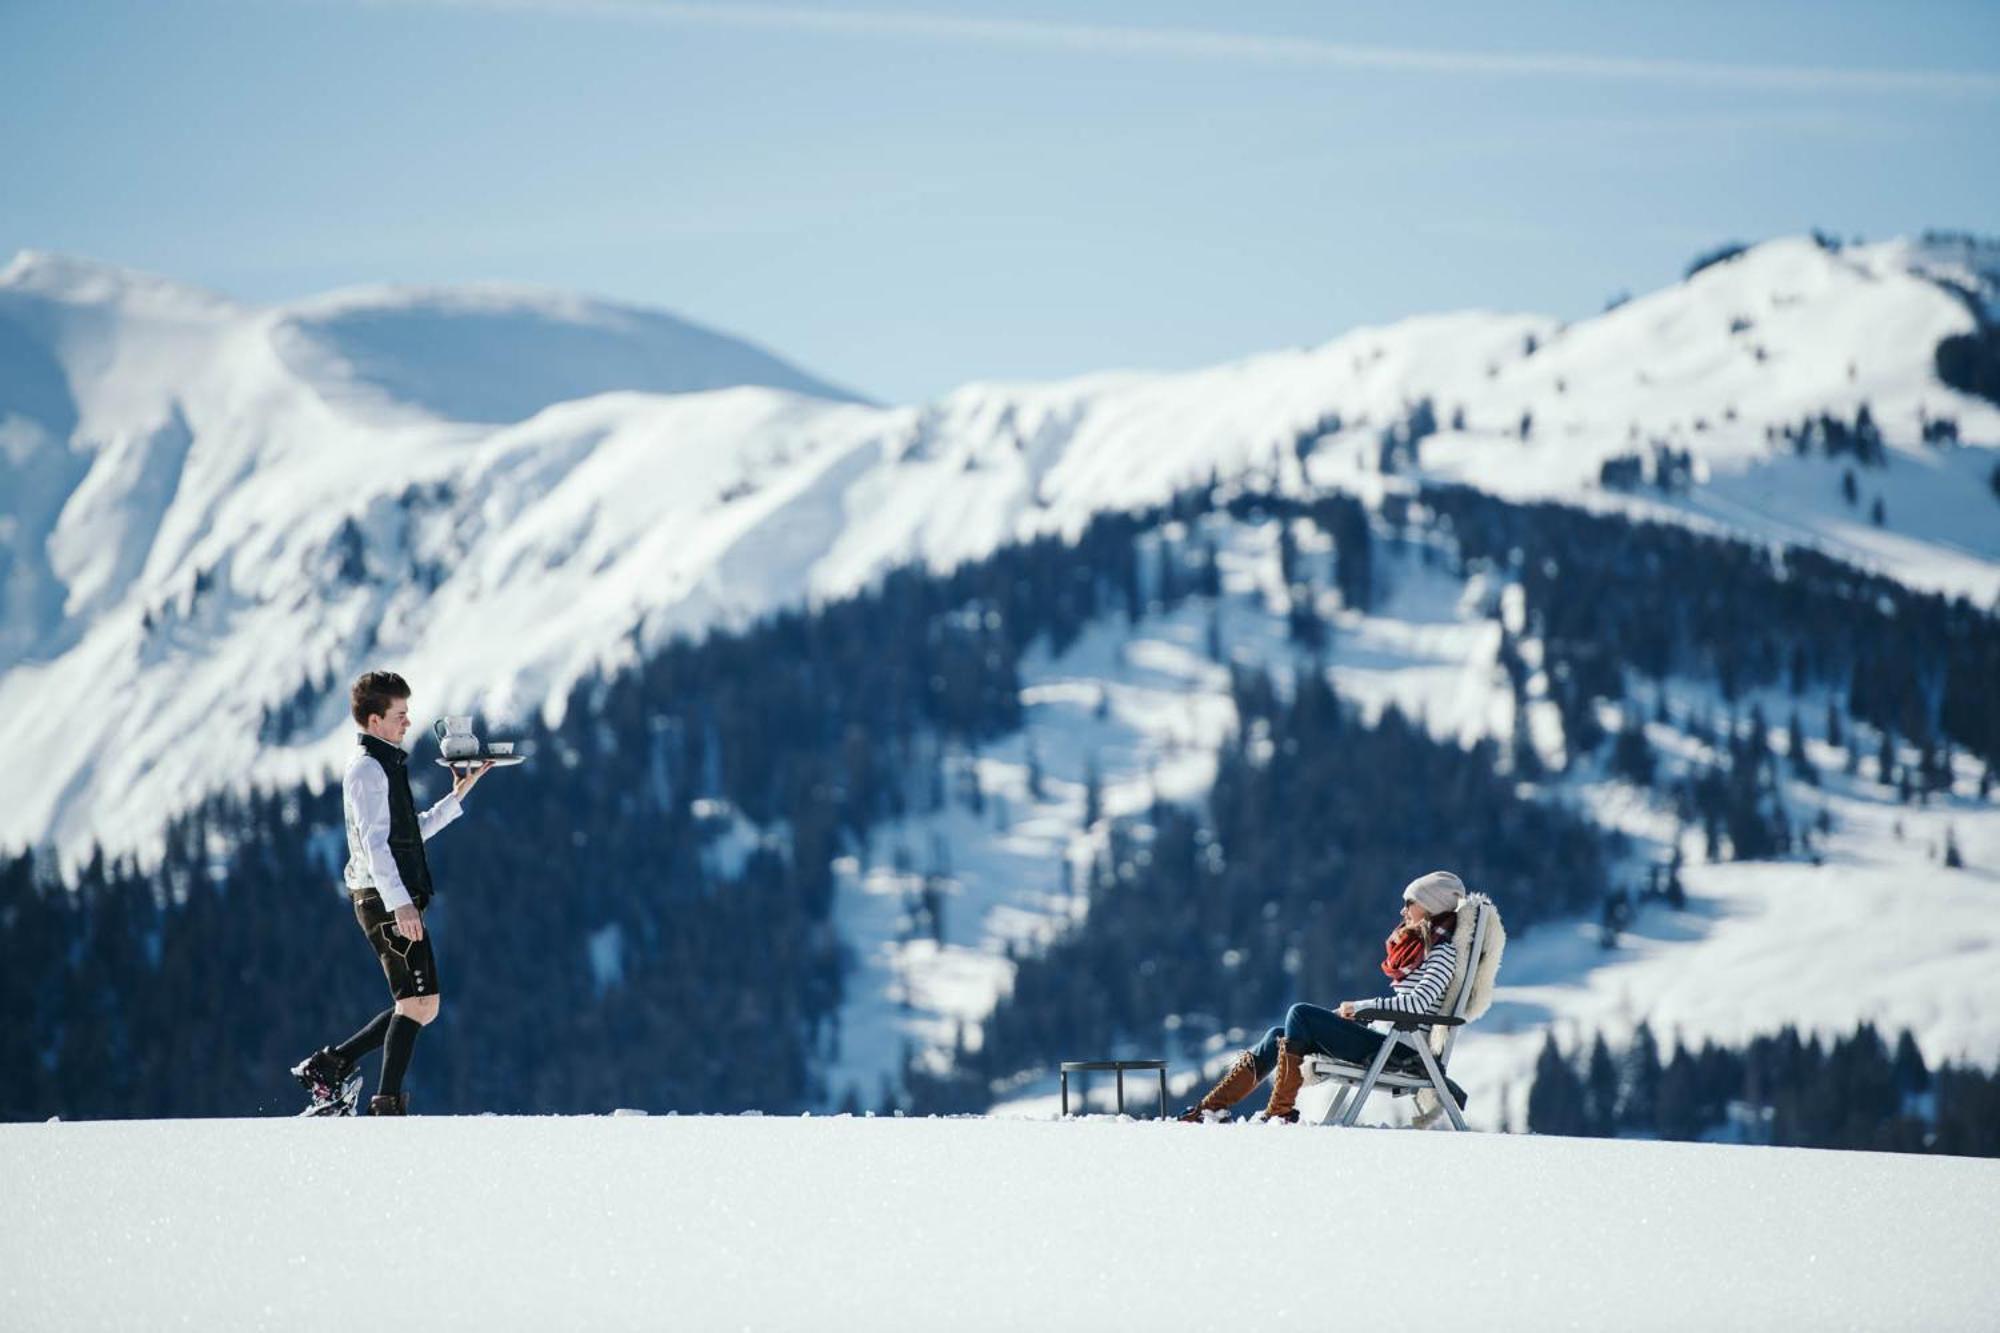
(1236, 1084)
(1285, 1081)
(342, 1102)
(326, 1078)
(389, 1104)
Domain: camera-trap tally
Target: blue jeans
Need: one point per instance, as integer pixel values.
(1311, 1030)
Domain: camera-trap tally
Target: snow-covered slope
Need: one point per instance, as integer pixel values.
(1760, 945)
(764, 1223)
(210, 511)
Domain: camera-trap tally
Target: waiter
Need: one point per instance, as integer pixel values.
(391, 885)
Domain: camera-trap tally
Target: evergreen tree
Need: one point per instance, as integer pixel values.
(1678, 1101)
(1639, 1106)
(1556, 1100)
(1850, 1094)
(1871, 631)
(1346, 521)
(1631, 755)
(1302, 619)
(1208, 575)
(1524, 758)
(1800, 763)
(1912, 1075)
(1600, 1091)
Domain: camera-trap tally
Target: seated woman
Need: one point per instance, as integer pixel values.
(1419, 965)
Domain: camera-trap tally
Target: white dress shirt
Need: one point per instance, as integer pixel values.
(364, 791)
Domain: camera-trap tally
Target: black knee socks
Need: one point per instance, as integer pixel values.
(367, 1039)
(396, 1046)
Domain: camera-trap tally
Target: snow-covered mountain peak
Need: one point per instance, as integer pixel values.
(498, 353)
(207, 506)
(73, 281)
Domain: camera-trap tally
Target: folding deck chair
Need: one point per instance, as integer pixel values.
(1415, 1034)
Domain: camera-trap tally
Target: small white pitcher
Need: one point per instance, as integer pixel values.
(455, 738)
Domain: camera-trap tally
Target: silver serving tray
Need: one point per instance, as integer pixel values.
(475, 760)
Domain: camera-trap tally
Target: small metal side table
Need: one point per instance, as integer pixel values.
(1120, 1066)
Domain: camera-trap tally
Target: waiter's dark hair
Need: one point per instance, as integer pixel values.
(374, 691)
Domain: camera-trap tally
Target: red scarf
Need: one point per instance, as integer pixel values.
(1407, 949)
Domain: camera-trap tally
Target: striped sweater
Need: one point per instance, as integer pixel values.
(1419, 992)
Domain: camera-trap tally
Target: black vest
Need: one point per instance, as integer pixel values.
(406, 838)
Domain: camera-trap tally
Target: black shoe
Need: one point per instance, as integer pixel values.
(397, 1103)
(323, 1075)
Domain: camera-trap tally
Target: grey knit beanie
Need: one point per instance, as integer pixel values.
(1437, 893)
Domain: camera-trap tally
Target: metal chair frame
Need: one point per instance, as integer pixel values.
(1407, 1032)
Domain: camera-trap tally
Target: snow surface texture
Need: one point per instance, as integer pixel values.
(768, 1224)
(204, 505)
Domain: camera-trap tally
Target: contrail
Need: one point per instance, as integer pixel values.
(1310, 52)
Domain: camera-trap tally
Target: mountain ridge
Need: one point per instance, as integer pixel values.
(215, 528)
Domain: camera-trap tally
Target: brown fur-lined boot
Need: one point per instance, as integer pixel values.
(1285, 1081)
(1236, 1084)
(389, 1104)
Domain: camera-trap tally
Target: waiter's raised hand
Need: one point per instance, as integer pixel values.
(467, 778)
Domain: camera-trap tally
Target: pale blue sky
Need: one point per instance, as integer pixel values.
(903, 197)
